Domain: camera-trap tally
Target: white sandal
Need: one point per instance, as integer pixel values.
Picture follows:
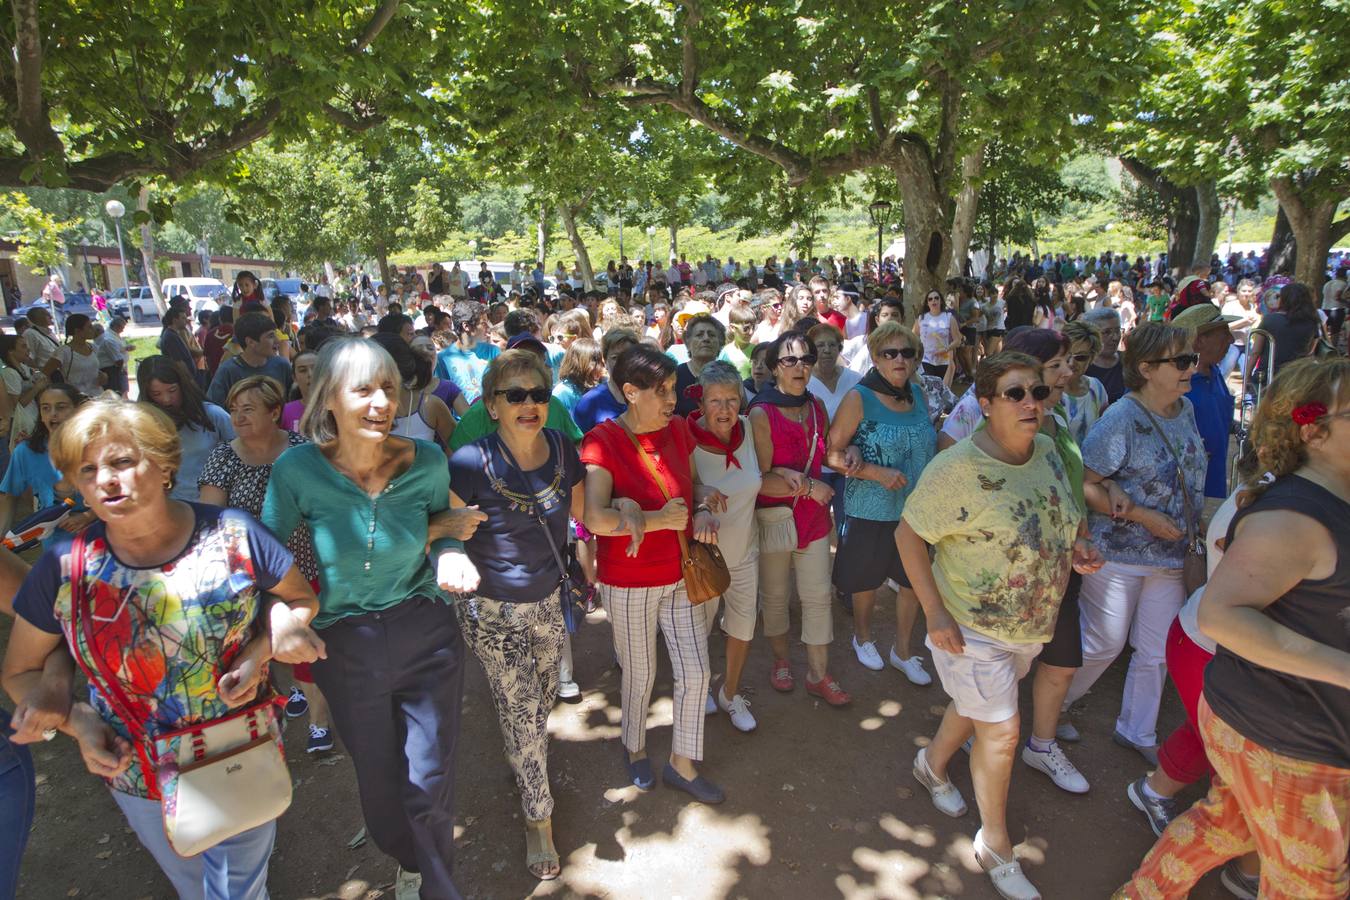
(1006, 875)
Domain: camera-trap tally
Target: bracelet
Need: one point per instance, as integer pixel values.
(810, 484)
(702, 507)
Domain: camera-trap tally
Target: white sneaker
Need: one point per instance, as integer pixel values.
(710, 707)
(408, 885)
(1054, 763)
(568, 690)
(912, 667)
(868, 655)
(739, 709)
(945, 795)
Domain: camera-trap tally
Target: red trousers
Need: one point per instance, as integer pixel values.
(1182, 756)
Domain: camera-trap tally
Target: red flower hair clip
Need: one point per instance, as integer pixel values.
(695, 392)
(1308, 413)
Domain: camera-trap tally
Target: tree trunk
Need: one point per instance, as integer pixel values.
(674, 241)
(148, 254)
(1312, 219)
(382, 259)
(1181, 231)
(1207, 229)
(569, 221)
(967, 204)
(1283, 251)
(928, 244)
(541, 235)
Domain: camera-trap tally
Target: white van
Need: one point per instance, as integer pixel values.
(205, 293)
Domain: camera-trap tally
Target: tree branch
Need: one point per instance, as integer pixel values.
(384, 13)
(944, 160)
(32, 124)
(693, 16)
(350, 121)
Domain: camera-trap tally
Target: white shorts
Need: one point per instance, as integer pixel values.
(982, 680)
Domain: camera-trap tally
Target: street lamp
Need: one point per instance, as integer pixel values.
(116, 211)
(651, 233)
(473, 249)
(880, 211)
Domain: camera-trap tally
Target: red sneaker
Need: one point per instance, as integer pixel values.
(781, 676)
(828, 690)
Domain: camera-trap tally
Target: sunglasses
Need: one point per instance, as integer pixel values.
(1018, 393)
(893, 352)
(1081, 357)
(776, 307)
(792, 361)
(516, 396)
(1182, 361)
(933, 297)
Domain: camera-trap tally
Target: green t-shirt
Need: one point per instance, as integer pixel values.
(1003, 537)
(476, 423)
(1156, 307)
(371, 551)
(737, 357)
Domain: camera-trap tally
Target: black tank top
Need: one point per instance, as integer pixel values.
(1296, 717)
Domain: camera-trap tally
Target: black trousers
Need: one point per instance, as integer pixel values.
(395, 682)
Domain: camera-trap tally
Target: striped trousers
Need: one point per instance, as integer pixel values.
(635, 615)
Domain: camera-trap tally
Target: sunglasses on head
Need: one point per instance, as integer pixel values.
(517, 395)
(792, 361)
(1017, 393)
(1182, 361)
(893, 352)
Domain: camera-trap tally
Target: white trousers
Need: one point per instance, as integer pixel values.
(1135, 603)
(635, 614)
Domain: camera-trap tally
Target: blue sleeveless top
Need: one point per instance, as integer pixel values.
(896, 440)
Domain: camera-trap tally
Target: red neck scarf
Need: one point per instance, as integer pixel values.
(712, 443)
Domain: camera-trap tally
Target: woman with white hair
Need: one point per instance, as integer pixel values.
(393, 671)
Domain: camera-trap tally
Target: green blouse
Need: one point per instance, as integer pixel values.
(371, 550)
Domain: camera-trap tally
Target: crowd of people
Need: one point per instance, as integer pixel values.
(328, 511)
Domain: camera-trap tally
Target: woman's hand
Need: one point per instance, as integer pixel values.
(796, 481)
(293, 641)
(1121, 503)
(890, 479)
(43, 710)
(1159, 524)
(674, 516)
(821, 492)
(1086, 557)
(105, 753)
(459, 524)
(705, 527)
(456, 573)
(632, 521)
(716, 501)
(240, 685)
(76, 521)
(944, 633)
(853, 461)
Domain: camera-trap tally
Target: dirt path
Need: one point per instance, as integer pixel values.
(820, 804)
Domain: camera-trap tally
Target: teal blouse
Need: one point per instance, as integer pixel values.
(371, 550)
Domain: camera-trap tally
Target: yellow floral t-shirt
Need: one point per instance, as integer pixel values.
(1003, 537)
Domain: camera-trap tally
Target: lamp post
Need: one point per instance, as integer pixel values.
(116, 211)
(651, 233)
(880, 211)
(473, 249)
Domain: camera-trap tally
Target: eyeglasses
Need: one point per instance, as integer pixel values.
(1182, 361)
(516, 396)
(1081, 357)
(893, 352)
(792, 361)
(1017, 393)
(776, 307)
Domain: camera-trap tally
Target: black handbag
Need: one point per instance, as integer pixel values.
(573, 589)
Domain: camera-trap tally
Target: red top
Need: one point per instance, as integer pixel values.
(607, 445)
(791, 449)
(835, 318)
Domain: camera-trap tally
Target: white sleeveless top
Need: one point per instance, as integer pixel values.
(415, 425)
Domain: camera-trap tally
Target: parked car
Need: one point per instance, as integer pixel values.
(139, 307)
(271, 287)
(205, 293)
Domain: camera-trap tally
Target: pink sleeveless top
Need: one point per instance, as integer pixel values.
(791, 447)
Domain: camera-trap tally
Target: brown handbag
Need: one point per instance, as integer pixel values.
(705, 571)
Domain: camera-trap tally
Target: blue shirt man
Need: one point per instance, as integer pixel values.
(1209, 395)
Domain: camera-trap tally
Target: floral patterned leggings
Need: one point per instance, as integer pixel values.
(519, 645)
(1295, 814)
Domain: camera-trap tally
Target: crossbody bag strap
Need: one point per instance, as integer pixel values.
(535, 514)
(660, 482)
(1192, 524)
